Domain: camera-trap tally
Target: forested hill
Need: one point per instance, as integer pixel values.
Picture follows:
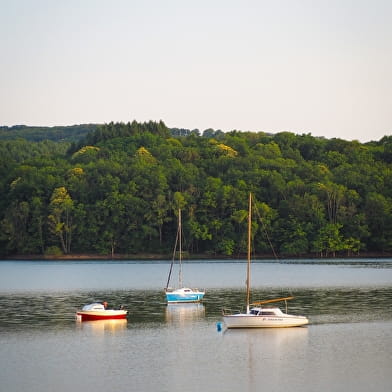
(115, 189)
(70, 133)
(74, 133)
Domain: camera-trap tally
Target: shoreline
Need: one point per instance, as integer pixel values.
(167, 257)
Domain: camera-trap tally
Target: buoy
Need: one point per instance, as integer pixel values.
(219, 326)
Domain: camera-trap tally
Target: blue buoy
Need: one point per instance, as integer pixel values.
(219, 326)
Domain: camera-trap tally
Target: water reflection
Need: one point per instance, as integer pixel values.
(182, 314)
(274, 344)
(321, 306)
(101, 327)
(269, 339)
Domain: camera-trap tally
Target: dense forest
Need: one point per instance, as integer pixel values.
(35, 134)
(115, 189)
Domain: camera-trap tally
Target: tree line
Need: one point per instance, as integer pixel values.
(117, 187)
(70, 133)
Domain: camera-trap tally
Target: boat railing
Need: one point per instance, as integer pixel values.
(198, 290)
(229, 312)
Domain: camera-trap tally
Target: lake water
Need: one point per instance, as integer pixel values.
(347, 346)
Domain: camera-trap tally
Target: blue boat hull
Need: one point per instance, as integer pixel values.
(172, 297)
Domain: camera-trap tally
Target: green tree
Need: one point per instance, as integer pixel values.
(14, 227)
(334, 196)
(60, 217)
(37, 226)
(295, 237)
(329, 240)
(379, 217)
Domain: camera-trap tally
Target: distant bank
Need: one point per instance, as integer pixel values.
(157, 256)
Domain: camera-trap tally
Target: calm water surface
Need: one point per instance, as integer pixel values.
(347, 346)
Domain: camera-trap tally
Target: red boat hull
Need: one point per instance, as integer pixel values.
(90, 316)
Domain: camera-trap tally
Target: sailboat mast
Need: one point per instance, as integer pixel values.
(172, 262)
(180, 248)
(249, 253)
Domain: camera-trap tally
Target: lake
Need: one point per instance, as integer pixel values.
(347, 345)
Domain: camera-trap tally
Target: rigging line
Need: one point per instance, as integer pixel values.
(174, 255)
(266, 232)
(180, 249)
(269, 240)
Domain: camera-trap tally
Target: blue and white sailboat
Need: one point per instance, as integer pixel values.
(181, 294)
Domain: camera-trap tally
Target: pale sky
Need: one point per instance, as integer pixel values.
(304, 66)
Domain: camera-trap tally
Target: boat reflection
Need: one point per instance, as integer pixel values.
(184, 313)
(103, 326)
(270, 338)
(262, 349)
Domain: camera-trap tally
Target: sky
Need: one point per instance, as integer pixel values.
(303, 66)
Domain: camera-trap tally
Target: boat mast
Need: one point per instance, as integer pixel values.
(180, 249)
(172, 262)
(249, 251)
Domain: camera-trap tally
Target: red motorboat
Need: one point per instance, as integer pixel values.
(98, 311)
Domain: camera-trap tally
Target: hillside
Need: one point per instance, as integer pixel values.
(70, 133)
(116, 188)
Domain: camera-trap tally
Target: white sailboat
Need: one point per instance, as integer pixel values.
(256, 315)
(181, 294)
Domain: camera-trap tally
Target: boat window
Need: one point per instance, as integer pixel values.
(253, 311)
(268, 313)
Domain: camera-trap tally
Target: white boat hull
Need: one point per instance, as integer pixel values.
(264, 318)
(250, 321)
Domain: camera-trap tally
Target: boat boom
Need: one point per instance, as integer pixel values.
(268, 301)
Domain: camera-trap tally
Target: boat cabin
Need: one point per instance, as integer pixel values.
(94, 306)
(266, 312)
